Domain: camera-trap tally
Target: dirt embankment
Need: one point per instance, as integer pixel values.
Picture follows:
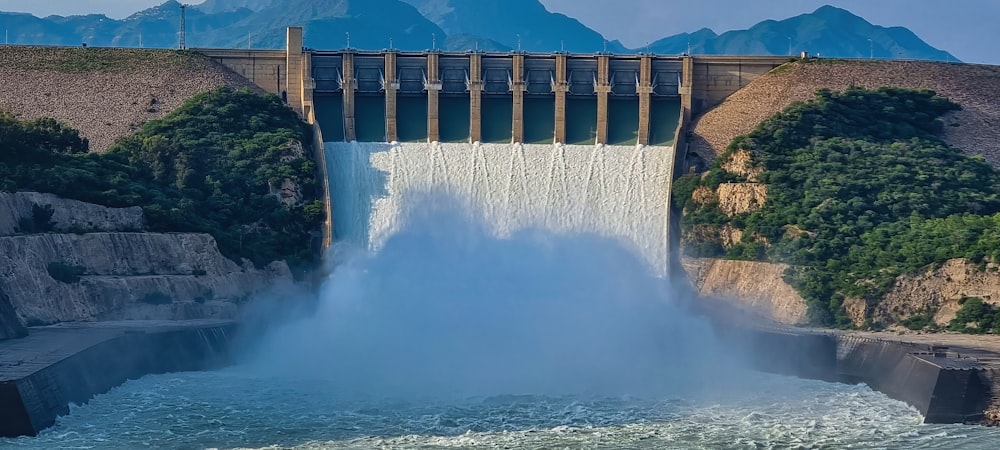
(975, 129)
(104, 93)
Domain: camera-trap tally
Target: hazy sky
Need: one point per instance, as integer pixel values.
(967, 28)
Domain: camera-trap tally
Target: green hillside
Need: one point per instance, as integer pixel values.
(860, 189)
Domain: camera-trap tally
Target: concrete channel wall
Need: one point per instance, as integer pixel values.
(41, 375)
(945, 386)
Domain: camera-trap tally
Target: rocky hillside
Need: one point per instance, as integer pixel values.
(976, 88)
(95, 263)
(106, 94)
(936, 292)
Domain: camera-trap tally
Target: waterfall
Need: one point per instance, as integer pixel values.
(620, 192)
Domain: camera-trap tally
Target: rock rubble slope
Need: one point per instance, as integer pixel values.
(102, 92)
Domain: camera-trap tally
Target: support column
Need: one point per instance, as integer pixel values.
(687, 88)
(560, 86)
(390, 84)
(308, 87)
(475, 87)
(433, 87)
(602, 87)
(645, 90)
(349, 84)
(517, 88)
(293, 64)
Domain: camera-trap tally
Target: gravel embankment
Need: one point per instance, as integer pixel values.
(975, 129)
(106, 94)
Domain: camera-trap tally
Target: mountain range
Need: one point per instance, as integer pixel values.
(493, 25)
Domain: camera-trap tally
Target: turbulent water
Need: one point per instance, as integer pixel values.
(232, 408)
(494, 297)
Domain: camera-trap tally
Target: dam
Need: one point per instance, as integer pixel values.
(602, 101)
(582, 144)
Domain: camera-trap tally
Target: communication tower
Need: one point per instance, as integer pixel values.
(183, 37)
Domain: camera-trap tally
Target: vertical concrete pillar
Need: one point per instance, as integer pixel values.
(687, 88)
(390, 84)
(560, 86)
(308, 87)
(475, 88)
(293, 64)
(349, 85)
(518, 88)
(433, 87)
(602, 87)
(645, 90)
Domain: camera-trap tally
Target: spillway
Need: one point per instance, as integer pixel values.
(620, 192)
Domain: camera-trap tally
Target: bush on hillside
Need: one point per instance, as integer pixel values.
(206, 167)
(860, 190)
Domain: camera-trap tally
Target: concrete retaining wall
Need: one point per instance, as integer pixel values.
(945, 387)
(31, 403)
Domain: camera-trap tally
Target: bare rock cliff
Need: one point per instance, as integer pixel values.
(754, 287)
(60, 277)
(67, 215)
(939, 291)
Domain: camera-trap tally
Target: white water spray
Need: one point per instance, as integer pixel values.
(498, 269)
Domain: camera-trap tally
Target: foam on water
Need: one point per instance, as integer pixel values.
(234, 409)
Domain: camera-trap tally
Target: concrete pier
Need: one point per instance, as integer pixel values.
(518, 88)
(349, 86)
(390, 84)
(602, 87)
(432, 85)
(296, 75)
(645, 91)
(474, 85)
(560, 87)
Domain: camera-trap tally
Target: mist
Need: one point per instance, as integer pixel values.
(447, 309)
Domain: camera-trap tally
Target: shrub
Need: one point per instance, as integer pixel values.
(156, 298)
(66, 273)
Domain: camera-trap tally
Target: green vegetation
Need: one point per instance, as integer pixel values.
(66, 273)
(975, 317)
(40, 220)
(860, 190)
(213, 166)
(156, 298)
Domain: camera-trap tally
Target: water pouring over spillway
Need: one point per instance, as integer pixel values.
(617, 192)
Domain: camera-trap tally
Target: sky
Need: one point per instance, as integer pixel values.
(967, 28)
